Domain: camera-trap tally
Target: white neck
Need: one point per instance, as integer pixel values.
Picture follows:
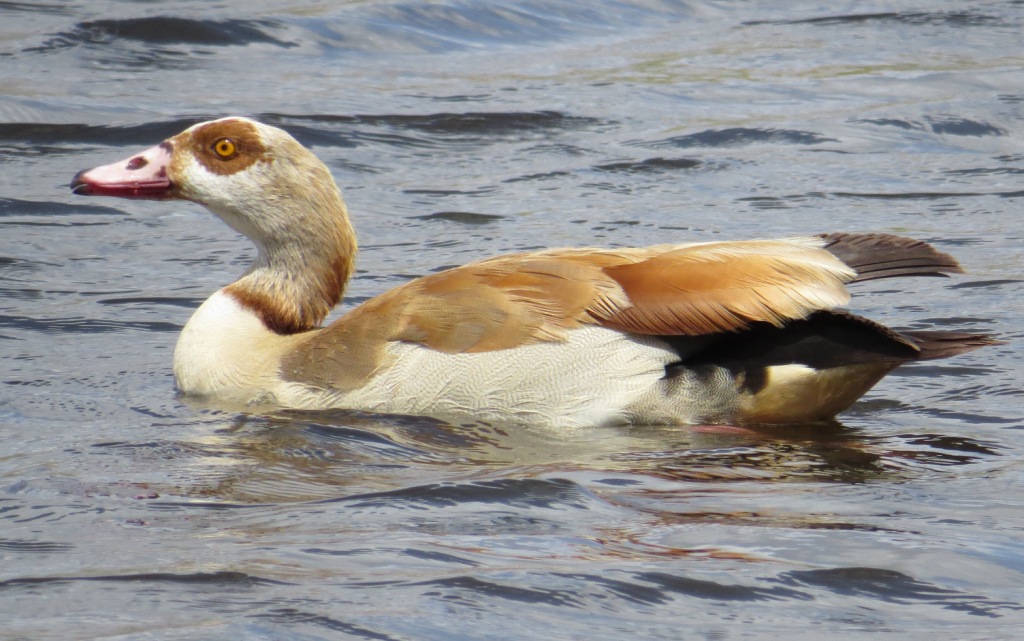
(226, 350)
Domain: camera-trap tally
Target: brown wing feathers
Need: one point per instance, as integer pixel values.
(722, 287)
(876, 256)
(498, 304)
(669, 290)
(693, 289)
(696, 289)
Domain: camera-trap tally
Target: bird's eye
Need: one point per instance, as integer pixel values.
(225, 149)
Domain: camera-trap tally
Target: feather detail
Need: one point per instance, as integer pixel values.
(720, 287)
(522, 299)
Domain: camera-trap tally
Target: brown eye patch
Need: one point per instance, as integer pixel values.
(225, 147)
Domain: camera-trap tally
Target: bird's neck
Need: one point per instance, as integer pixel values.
(298, 278)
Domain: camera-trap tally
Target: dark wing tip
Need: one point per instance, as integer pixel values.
(934, 344)
(878, 255)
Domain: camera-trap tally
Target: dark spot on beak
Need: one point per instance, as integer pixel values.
(137, 162)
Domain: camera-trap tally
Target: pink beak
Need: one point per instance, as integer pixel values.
(143, 176)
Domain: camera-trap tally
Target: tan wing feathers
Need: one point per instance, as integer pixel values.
(726, 286)
(516, 300)
(343, 355)
(502, 304)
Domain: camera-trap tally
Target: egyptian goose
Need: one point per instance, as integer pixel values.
(741, 332)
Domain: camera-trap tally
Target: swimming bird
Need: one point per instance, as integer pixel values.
(736, 332)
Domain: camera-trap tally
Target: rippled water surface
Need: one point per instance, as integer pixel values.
(460, 129)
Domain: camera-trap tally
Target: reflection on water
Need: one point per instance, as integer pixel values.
(305, 456)
(460, 130)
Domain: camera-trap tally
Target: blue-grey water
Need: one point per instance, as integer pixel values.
(459, 129)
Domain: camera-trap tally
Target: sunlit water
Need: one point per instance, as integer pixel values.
(459, 130)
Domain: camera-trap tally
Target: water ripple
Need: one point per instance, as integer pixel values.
(527, 493)
(294, 616)
(742, 136)
(83, 325)
(651, 165)
(34, 547)
(916, 18)
(946, 125)
(35, 7)
(68, 136)
(461, 217)
(226, 578)
(46, 208)
(168, 30)
(895, 587)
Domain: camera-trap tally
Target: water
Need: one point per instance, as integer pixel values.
(459, 130)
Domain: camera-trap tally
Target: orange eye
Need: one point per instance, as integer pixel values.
(225, 148)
